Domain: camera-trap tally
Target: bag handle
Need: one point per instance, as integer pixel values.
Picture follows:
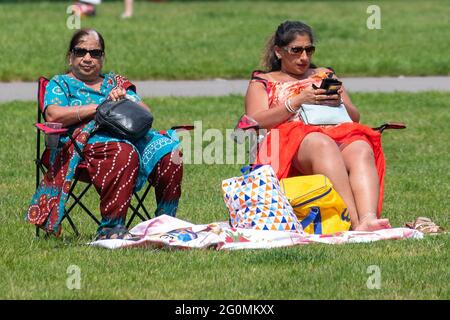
(250, 168)
(313, 217)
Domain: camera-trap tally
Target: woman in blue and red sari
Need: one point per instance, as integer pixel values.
(116, 167)
(349, 154)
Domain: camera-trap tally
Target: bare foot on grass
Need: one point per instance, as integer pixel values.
(373, 225)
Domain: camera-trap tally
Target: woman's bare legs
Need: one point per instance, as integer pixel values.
(352, 173)
(360, 164)
(319, 154)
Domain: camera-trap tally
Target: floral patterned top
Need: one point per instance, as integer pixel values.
(280, 91)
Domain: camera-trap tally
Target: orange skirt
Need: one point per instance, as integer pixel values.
(291, 134)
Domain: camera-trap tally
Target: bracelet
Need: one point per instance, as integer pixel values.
(78, 114)
(288, 106)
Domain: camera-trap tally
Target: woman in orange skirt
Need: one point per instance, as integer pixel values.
(349, 154)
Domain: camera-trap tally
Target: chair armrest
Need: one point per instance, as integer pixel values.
(47, 130)
(246, 123)
(390, 125)
(243, 128)
(179, 128)
(183, 127)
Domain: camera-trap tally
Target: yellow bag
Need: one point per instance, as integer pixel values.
(317, 205)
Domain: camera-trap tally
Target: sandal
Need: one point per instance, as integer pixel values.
(425, 225)
(117, 232)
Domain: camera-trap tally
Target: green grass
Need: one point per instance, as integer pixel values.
(224, 39)
(417, 184)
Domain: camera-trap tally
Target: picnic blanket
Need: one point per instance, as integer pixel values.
(168, 232)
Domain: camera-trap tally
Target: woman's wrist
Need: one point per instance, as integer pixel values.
(85, 112)
(289, 107)
(78, 114)
(93, 110)
(296, 102)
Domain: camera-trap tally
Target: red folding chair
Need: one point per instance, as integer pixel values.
(81, 174)
(247, 127)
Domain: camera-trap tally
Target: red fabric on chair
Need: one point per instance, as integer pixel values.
(48, 130)
(291, 134)
(42, 85)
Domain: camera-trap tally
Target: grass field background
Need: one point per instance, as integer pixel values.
(416, 185)
(224, 39)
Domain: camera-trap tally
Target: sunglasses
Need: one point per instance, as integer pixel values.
(298, 51)
(95, 53)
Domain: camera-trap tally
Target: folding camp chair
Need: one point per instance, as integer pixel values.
(81, 174)
(247, 127)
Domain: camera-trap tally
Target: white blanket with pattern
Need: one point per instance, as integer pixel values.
(168, 232)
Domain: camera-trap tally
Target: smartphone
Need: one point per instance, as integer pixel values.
(331, 85)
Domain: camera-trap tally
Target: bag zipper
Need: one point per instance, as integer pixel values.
(313, 199)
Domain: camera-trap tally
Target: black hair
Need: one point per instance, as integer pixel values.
(285, 34)
(78, 35)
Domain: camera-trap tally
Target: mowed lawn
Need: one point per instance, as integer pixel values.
(225, 39)
(417, 184)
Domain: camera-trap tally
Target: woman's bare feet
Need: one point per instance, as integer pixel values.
(372, 223)
(126, 15)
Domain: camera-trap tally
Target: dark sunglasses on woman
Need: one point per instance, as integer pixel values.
(94, 53)
(298, 51)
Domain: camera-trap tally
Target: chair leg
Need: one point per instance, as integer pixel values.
(141, 200)
(90, 214)
(77, 200)
(130, 220)
(141, 203)
(135, 213)
(74, 228)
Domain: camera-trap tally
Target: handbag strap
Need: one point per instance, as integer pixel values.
(250, 168)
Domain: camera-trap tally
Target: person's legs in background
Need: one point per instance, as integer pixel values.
(128, 13)
(85, 7)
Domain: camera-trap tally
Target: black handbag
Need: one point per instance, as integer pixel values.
(123, 119)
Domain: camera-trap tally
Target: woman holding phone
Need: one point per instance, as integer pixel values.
(349, 154)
